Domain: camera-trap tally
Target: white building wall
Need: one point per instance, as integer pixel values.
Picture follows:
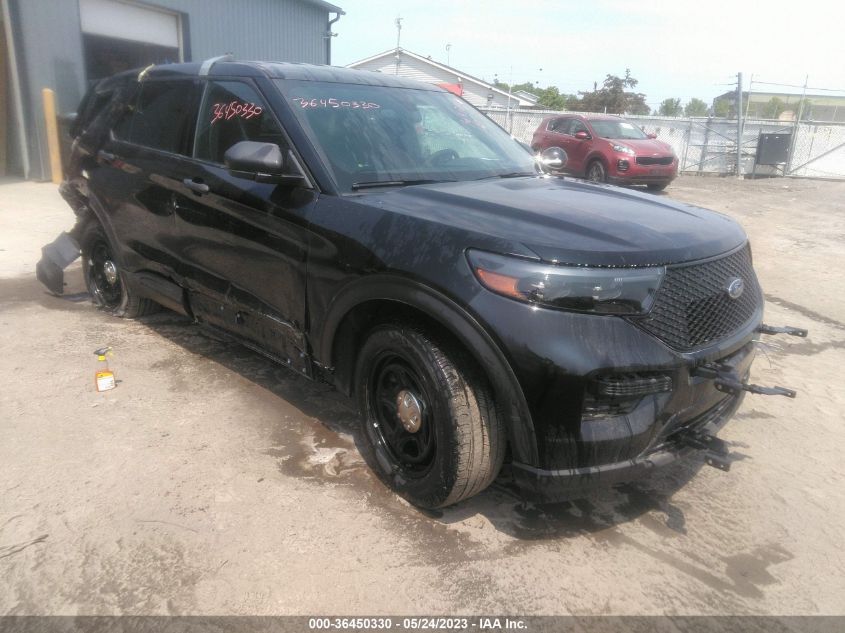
(412, 68)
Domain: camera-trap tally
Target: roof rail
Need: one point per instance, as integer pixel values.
(208, 63)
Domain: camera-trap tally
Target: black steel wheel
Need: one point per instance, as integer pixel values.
(596, 172)
(103, 278)
(403, 414)
(430, 429)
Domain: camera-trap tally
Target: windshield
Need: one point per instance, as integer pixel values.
(377, 135)
(617, 129)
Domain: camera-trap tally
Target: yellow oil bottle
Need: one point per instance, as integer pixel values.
(103, 375)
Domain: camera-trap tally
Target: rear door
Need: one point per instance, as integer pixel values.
(243, 244)
(555, 134)
(577, 148)
(139, 172)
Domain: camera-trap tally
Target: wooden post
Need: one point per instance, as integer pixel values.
(52, 134)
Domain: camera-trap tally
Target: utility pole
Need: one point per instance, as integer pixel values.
(509, 118)
(448, 48)
(739, 125)
(398, 23)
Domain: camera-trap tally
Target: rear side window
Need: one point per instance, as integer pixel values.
(561, 126)
(161, 117)
(91, 107)
(233, 111)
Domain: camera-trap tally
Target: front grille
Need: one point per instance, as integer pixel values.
(692, 306)
(654, 160)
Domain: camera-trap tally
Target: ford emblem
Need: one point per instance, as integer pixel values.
(735, 288)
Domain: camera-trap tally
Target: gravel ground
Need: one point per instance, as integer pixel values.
(214, 482)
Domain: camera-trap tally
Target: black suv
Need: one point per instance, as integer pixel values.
(385, 236)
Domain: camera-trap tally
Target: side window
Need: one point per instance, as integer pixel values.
(578, 126)
(233, 111)
(91, 107)
(160, 118)
(560, 126)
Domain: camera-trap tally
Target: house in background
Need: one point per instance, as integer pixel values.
(404, 63)
(66, 45)
(530, 97)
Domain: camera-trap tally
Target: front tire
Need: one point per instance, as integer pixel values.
(104, 280)
(596, 172)
(430, 428)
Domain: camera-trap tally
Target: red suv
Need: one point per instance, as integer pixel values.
(605, 148)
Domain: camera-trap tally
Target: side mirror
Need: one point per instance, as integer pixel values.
(583, 136)
(261, 162)
(652, 135)
(552, 160)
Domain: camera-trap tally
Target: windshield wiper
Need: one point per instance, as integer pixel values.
(517, 174)
(393, 183)
(512, 174)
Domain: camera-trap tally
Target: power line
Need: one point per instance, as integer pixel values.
(772, 83)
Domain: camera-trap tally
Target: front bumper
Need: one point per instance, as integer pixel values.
(557, 355)
(542, 485)
(636, 174)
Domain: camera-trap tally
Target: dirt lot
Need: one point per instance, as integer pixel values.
(212, 481)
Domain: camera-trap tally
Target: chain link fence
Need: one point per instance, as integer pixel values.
(707, 145)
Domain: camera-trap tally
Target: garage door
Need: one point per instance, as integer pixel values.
(122, 35)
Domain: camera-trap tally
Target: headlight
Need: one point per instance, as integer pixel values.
(622, 148)
(596, 290)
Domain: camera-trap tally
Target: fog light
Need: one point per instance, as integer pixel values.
(622, 165)
(600, 408)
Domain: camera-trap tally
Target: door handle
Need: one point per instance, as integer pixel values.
(196, 187)
(105, 156)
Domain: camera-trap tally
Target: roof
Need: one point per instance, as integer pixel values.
(459, 73)
(528, 96)
(598, 116)
(817, 99)
(327, 6)
(277, 70)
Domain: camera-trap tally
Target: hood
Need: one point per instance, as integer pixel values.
(571, 222)
(645, 146)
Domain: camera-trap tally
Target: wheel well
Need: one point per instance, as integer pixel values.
(597, 158)
(342, 335)
(362, 318)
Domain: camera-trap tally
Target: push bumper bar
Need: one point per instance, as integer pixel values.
(725, 379)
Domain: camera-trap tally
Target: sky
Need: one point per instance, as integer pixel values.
(678, 49)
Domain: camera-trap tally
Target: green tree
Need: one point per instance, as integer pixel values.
(773, 109)
(616, 96)
(670, 107)
(724, 108)
(805, 107)
(695, 107)
(550, 98)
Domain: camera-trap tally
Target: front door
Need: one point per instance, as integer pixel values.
(243, 244)
(578, 148)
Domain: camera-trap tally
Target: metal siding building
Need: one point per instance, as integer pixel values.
(61, 44)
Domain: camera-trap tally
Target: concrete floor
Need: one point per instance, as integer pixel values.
(214, 482)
